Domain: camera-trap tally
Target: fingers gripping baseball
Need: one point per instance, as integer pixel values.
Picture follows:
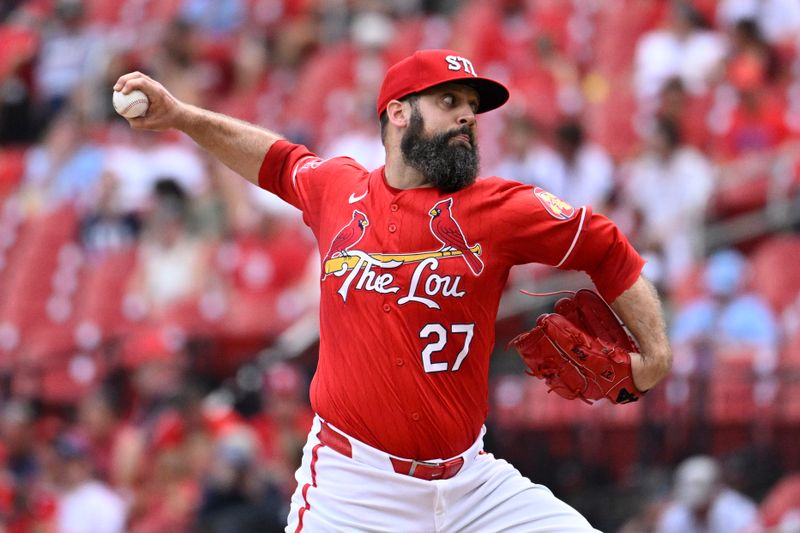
(164, 110)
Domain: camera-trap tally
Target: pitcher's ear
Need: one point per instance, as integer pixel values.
(398, 113)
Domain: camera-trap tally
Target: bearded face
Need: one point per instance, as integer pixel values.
(447, 164)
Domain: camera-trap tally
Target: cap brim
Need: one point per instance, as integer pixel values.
(492, 94)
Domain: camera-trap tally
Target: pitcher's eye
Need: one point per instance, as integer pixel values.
(449, 100)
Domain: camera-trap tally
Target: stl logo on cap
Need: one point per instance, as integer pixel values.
(554, 205)
(459, 63)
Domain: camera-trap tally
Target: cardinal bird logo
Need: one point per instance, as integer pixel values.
(445, 228)
(348, 236)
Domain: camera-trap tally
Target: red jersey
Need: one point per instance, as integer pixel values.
(410, 286)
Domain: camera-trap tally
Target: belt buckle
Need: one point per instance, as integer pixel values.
(415, 463)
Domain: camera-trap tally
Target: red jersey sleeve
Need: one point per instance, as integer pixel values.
(536, 226)
(288, 172)
(301, 178)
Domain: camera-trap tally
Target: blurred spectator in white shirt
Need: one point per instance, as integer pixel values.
(779, 19)
(86, 505)
(529, 159)
(140, 164)
(684, 47)
(703, 504)
(172, 266)
(669, 186)
(589, 170)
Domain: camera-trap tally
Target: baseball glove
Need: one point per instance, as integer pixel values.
(582, 350)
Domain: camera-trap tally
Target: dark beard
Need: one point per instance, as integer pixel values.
(448, 167)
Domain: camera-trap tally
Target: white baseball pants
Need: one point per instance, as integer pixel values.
(363, 493)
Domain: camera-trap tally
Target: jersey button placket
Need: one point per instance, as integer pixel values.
(392, 226)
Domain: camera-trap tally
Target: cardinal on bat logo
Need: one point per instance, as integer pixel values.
(347, 237)
(445, 228)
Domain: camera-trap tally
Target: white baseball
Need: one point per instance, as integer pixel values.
(131, 105)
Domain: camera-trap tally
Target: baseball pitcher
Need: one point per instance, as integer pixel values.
(414, 257)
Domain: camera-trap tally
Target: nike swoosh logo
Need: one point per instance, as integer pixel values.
(353, 198)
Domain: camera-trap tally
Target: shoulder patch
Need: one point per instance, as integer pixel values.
(554, 205)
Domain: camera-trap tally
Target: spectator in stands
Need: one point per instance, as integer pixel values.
(690, 112)
(529, 159)
(683, 47)
(64, 168)
(137, 166)
(589, 170)
(703, 504)
(18, 437)
(110, 437)
(729, 315)
(85, 505)
(71, 56)
(178, 448)
(779, 19)
(176, 61)
(154, 361)
(751, 60)
(362, 140)
(780, 509)
(104, 228)
(172, 266)
(218, 19)
(284, 422)
(752, 116)
(19, 119)
(238, 495)
(669, 186)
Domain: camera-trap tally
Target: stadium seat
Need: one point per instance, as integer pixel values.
(101, 291)
(789, 400)
(790, 354)
(730, 393)
(12, 166)
(19, 47)
(773, 276)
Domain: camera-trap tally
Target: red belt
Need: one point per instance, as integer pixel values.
(418, 469)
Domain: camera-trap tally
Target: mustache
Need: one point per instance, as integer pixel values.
(455, 132)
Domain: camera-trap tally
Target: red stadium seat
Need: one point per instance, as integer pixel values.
(774, 277)
(789, 400)
(790, 354)
(730, 392)
(12, 166)
(100, 295)
(19, 47)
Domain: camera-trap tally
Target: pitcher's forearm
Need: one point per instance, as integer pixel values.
(640, 310)
(241, 146)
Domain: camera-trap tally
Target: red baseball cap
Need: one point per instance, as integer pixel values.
(427, 68)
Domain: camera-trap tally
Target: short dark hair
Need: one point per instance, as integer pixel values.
(411, 99)
(570, 133)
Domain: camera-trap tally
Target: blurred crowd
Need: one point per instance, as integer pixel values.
(157, 313)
